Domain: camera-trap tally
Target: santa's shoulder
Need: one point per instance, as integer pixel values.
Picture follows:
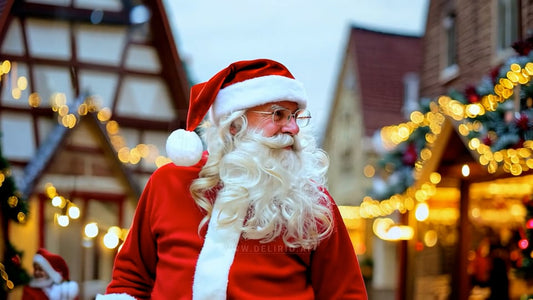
(171, 169)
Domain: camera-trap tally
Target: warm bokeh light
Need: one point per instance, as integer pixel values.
(422, 211)
(465, 170)
(369, 171)
(111, 240)
(91, 230)
(58, 201)
(63, 220)
(430, 238)
(74, 212)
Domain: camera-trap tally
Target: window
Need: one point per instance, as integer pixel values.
(449, 65)
(411, 84)
(450, 41)
(508, 24)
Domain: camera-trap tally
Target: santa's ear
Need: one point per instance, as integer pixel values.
(237, 124)
(233, 129)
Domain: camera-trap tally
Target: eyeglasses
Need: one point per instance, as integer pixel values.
(281, 116)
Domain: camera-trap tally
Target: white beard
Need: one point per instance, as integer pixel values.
(281, 191)
(40, 282)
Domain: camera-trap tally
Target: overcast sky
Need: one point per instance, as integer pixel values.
(307, 36)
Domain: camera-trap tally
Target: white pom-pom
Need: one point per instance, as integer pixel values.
(184, 147)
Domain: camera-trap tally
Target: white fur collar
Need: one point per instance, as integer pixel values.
(216, 256)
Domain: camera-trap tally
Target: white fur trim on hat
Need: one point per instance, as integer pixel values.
(114, 297)
(257, 91)
(184, 148)
(47, 267)
(216, 256)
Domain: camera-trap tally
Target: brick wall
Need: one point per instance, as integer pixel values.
(476, 35)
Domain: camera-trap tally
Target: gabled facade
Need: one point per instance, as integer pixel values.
(377, 86)
(89, 92)
(377, 77)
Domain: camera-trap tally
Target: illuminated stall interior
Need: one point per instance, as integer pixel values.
(470, 218)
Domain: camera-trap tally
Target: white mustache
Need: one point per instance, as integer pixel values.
(279, 141)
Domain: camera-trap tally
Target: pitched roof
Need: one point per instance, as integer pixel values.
(381, 61)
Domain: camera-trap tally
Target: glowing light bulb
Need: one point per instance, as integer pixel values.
(111, 240)
(63, 220)
(465, 170)
(91, 230)
(56, 201)
(422, 211)
(73, 212)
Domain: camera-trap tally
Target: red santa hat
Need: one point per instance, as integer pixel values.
(241, 85)
(53, 264)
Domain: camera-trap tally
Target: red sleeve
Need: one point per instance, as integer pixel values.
(335, 271)
(163, 241)
(30, 293)
(134, 267)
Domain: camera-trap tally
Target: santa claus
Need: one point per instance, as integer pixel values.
(250, 217)
(50, 279)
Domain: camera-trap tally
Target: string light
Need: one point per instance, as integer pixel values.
(69, 119)
(68, 211)
(514, 161)
(3, 274)
(91, 230)
(465, 170)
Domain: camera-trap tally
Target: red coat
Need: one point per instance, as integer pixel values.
(159, 256)
(31, 293)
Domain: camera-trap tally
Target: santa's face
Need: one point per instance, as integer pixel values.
(260, 117)
(38, 272)
(40, 279)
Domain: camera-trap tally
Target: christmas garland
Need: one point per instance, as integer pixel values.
(15, 208)
(507, 126)
(11, 270)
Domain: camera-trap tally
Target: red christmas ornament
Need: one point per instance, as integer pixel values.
(471, 94)
(523, 244)
(419, 246)
(529, 224)
(410, 156)
(494, 73)
(519, 144)
(15, 259)
(522, 122)
(523, 47)
(487, 140)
